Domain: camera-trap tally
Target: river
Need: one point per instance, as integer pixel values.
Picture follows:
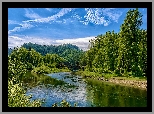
(85, 92)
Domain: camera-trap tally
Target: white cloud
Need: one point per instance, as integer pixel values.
(93, 16)
(80, 42)
(14, 41)
(49, 9)
(23, 27)
(30, 14)
(96, 16)
(12, 22)
(51, 18)
(27, 25)
(76, 16)
(112, 14)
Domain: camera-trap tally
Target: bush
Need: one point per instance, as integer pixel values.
(63, 103)
(53, 65)
(108, 75)
(42, 70)
(29, 66)
(16, 68)
(65, 69)
(17, 97)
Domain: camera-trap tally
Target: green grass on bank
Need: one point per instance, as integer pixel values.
(46, 70)
(88, 74)
(94, 74)
(108, 76)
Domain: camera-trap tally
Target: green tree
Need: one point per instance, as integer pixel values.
(129, 39)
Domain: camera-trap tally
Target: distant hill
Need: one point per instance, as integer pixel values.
(44, 49)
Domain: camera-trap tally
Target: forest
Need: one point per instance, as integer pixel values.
(122, 54)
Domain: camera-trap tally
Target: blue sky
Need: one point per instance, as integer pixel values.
(64, 25)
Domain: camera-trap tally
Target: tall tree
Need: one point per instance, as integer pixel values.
(128, 43)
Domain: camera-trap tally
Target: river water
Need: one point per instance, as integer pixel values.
(85, 92)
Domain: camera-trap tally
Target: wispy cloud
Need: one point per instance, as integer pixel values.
(12, 22)
(23, 27)
(97, 16)
(30, 14)
(76, 16)
(49, 9)
(112, 14)
(14, 41)
(52, 18)
(93, 16)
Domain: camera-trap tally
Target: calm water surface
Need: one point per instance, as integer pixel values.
(86, 92)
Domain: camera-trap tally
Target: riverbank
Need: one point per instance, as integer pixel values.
(47, 70)
(125, 81)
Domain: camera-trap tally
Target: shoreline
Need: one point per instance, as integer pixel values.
(141, 84)
(123, 82)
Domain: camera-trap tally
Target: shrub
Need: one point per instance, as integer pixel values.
(63, 103)
(42, 70)
(17, 97)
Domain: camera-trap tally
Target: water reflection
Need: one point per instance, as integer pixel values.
(86, 92)
(109, 95)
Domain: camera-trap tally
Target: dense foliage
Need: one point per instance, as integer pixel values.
(16, 94)
(123, 53)
(32, 59)
(17, 97)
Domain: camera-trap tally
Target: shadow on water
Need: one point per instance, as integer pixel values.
(35, 80)
(86, 92)
(110, 95)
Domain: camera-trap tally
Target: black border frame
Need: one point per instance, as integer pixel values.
(6, 5)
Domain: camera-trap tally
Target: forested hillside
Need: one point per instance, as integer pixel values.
(44, 49)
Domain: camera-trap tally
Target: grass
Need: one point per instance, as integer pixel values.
(88, 74)
(47, 70)
(108, 75)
